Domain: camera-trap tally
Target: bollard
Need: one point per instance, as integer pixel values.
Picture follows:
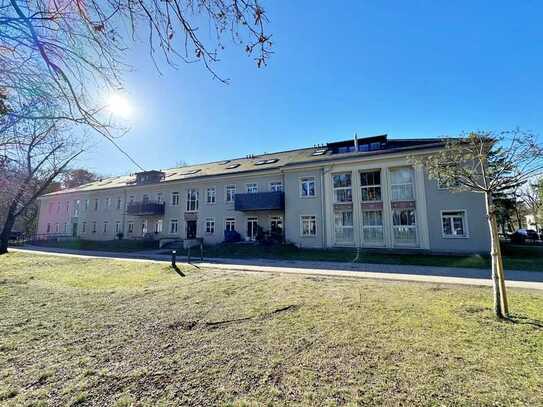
(174, 252)
(201, 250)
(188, 254)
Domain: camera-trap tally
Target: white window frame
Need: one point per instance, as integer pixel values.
(119, 203)
(84, 227)
(96, 204)
(66, 227)
(104, 230)
(415, 227)
(251, 188)
(364, 227)
(211, 195)
(302, 225)
(174, 198)
(77, 204)
(336, 189)
(67, 206)
(57, 227)
(159, 225)
(192, 204)
(130, 227)
(308, 179)
(48, 228)
(274, 186)
(93, 227)
(210, 226)
(108, 202)
(231, 221)
(276, 218)
(87, 204)
(171, 229)
(464, 220)
(412, 184)
(373, 186)
(117, 227)
(232, 195)
(160, 197)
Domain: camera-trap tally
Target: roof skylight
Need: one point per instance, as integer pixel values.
(320, 151)
(232, 166)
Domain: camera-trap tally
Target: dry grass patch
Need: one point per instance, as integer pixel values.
(101, 332)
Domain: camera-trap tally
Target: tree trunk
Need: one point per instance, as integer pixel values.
(498, 276)
(6, 231)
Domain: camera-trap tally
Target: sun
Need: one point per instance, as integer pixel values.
(119, 105)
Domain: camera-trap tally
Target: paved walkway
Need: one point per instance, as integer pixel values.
(440, 275)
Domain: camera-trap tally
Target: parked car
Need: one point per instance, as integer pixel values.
(521, 235)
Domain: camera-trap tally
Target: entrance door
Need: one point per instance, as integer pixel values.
(191, 229)
(74, 230)
(252, 226)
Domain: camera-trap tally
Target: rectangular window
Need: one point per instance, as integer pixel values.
(307, 187)
(211, 195)
(131, 199)
(96, 204)
(372, 226)
(105, 227)
(76, 207)
(175, 198)
(252, 188)
(93, 227)
(144, 227)
(454, 224)
(87, 202)
(108, 202)
(48, 228)
(370, 186)
(119, 203)
(342, 188)
(158, 226)
(210, 225)
(230, 193)
(230, 224)
(192, 200)
(159, 197)
(130, 227)
(145, 198)
(65, 228)
(57, 228)
(67, 206)
(344, 226)
(308, 225)
(404, 226)
(84, 227)
(173, 226)
(276, 186)
(402, 184)
(276, 224)
(117, 227)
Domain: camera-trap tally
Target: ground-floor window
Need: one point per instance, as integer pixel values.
(158, 226)
(372, 226)
(229, 224)
(48, 228)
(454, 223)
(308, 225)
(57, 227)
(105, 227)
(93, 227)
(173, 226)
(210, 225)
(117, 227)
(276, 224)
(144, 227)
(130, 227)
(343, 222)
(252, 228)
(84, 227)
(404, 226)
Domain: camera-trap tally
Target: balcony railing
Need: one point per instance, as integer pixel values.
(260, 201)
(146, 208)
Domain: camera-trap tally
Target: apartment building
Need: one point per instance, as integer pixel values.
(353, 193)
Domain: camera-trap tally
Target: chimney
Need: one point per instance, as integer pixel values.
(355, 142)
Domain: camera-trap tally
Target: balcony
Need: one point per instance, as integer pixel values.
(260, 201)
(145, 208)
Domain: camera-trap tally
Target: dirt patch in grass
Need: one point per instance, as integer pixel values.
(101, 332)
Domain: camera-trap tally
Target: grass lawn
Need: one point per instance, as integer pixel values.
(102, 332)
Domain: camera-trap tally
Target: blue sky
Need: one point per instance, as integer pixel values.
(405, 68)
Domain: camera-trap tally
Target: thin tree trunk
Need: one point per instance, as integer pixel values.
(6, 231)
(498, 278)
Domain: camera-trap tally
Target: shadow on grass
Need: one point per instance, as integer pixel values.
(175, 268)
(522, 320)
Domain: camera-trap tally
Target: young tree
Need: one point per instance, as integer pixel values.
(37, 154)
(491, 164)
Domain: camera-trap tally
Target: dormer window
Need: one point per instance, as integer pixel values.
(149, 177)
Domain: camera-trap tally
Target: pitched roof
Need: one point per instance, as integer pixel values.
(268, 161)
